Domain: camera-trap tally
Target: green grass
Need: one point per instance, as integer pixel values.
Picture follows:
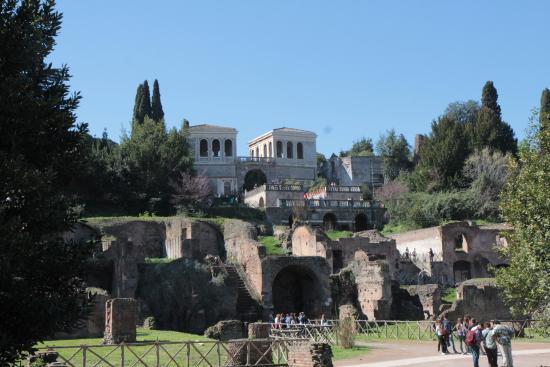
(335, 235)
(272, 245)
(393, 228)
(158, 260)
(112, 354)
(448, 295)
(339, 353)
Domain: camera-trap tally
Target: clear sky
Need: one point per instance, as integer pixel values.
(343, 69)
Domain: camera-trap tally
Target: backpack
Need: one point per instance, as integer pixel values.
(471, 338)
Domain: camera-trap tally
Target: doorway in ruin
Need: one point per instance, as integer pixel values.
(337, 261)
(296, 289)
(330, 222)
(290, 221)
(462, 271)
(361, 223)
(254, 178)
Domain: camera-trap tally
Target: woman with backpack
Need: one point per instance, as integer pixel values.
(473, 340)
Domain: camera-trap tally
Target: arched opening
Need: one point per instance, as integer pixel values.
(279, 149)
(462, 271)
(460, 243)
(265, 150)
(296, 289)
(252, 153)
(289, 150)
(216, 148)
(203, 148)
(361, 223)
(300, 151)
(227, 188)
(290, 221)
(270, 149)
(254, 178)
(330, 222)
(228, 148)
(480, 267)
(261, 203)
(257, 151)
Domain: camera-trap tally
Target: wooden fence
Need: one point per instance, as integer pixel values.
(235, 353)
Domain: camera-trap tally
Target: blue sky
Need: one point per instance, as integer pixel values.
(343, 69)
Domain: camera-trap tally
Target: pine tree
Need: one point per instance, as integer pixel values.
(41, 150)
(157, 114)
(489, 98)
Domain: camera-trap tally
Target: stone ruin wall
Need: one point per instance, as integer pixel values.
(373, 281)
(243, 249)
(191, 239)
(429, 296)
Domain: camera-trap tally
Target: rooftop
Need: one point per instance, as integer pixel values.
(213, 128)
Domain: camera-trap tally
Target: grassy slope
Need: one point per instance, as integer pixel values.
(339, 353)
(448, 295)
(272, 245)
(335, 235)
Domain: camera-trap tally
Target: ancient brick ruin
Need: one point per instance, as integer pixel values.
(120, 321)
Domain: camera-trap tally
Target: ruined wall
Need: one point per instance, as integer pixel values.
(373, 281)
(429, 296)
(309, 242)
(481, 299)
(243, 249)
(192, 239)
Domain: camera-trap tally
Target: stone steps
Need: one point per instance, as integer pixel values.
(247, 306)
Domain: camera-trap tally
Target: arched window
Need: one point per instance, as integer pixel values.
(257, 152)
(300, 149)
(279, 149)
(265, 150)
(252, 153)
(227, 188)
(289, 150)
(228, 148)
(216, 148)
(204, 148)
(270, 149)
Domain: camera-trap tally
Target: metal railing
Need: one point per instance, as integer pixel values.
(242, 352)
(256, 159)
(321, 203)
(394, 329)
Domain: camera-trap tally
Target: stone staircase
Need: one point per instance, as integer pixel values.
(247, 307)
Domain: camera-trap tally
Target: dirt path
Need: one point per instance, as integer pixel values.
(415, 353)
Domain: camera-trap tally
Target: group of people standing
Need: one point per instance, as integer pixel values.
(475, 338)
(281, 320)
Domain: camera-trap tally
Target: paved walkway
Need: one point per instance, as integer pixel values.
(416, 354)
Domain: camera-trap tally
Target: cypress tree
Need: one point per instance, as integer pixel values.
(544, 114)
(139, 96)
(489, 98)
(144, 108)
(157, 114)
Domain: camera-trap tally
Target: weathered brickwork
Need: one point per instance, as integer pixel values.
(309, 355)
(120, 321)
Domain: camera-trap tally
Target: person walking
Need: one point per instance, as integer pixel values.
(461, 330)
(441, 337)
(473, 340)
(449, 333)
(489, 344)
(503, 335)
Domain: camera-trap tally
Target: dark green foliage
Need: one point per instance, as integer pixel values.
(544, 113)
(489, 98)
(442, 156)
(525, 205)
(157, 114)
(463, 112)
(425, 210)
(395, 153)
(360, 148)
(489, 131)
(136, 115)
(253, 179)
(175, 292)
(143, 109)
(40, 150)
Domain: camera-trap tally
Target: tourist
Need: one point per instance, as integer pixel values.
(449, 332)
(407, 253)
(277, 321)
(503, 335)
(473, 340)
(302, 320)
(431, 254)
(324, 321)
(441, 337)
(461, 335)
(489, 344)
